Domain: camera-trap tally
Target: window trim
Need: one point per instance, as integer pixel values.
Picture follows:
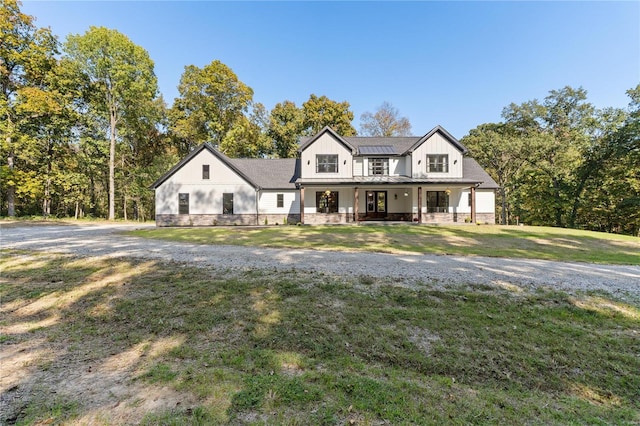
(206, 175)
(327, 162)
(183, 208)
(384, 166)
(441, 161)
(225, 201)
(279, 201)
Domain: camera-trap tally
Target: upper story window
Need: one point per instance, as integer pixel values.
(438, 163)
(327, 163)
(205, 171)
(378, 166)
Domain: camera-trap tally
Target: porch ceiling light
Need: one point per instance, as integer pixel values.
(406, 193)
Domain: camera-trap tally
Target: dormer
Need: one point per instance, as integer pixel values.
(437, 155)
(326, 156)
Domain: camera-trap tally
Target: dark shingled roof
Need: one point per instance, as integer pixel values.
(269, 173)
(473, 171)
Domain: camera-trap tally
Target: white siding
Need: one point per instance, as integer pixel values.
(358, 168)
(485, 201)
(269, 202)
(326, 144)
(396, 166)
(436, 144)
(205, 196)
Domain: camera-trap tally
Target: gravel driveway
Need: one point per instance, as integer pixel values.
(416, 269)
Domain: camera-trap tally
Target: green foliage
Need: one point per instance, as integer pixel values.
(286, 125)
(212, 101)
(322, 111)
(563, 163)
(122, 84)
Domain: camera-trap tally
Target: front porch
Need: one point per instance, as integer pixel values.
(404, 204)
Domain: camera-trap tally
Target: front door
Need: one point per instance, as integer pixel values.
(376, 204)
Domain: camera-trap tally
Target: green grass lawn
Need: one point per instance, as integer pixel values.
(499, 241)
(109, 341)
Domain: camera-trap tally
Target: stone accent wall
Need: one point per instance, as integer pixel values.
(489, 218)
(324, 218)
(205, 219)
(438, 218)
(394, 217)
(272, 219)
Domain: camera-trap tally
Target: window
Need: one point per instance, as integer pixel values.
(327, 163)
(327, 202)
(205, 171)
(378, 166)
(280, 201)
(469, 199)
(227, 203)
(437, 202)
(183, 203)
(438, 163)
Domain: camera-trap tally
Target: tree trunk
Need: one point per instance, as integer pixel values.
(11, 189)
(503, 194)
(77, 209)
(124, 206)
(112, 166)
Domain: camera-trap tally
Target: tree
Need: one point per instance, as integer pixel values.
(502, 152)
(26, 55)
(122, 79)
(286, 125)
(248, 137)
(212, 100)
(322, 111)
(384, 122)
(561, 125)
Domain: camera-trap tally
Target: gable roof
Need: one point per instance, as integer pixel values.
(260, 173)
(380, 145)
(326, 129)
(438, 129)
(205, 146)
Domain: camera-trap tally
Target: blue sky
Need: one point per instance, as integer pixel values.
(457, 64)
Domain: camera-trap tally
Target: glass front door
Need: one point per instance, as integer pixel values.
(376, 204)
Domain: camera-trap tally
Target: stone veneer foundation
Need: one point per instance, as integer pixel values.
(309, 219)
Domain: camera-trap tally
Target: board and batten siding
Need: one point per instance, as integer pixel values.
(436, 144)
(205, 195)
(268, 202)
(326, 144)
(485, 200)
(358, 166)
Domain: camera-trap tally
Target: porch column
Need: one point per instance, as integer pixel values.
(355, 205)
(473, 204)
(302, 205)
(419, 204)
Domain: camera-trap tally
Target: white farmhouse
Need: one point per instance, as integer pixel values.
(336, 179)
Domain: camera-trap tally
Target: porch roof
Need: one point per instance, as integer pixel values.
(473, 174)
(386, 180)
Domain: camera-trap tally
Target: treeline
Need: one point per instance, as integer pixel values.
(84, 132)
(562, 162)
